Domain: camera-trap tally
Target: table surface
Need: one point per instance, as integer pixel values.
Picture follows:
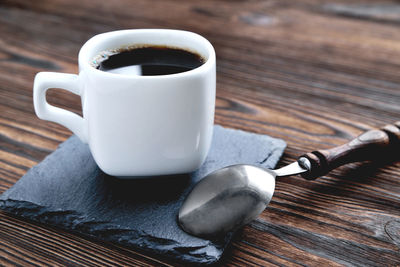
(314, 73)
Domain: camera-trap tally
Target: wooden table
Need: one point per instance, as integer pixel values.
(314, 73)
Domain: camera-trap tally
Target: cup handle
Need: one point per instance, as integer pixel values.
(45, 111)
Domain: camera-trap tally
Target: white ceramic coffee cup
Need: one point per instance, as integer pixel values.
(138, 125)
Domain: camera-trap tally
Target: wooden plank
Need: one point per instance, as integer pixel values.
(315, 73)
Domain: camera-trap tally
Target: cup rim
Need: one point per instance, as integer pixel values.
(84, 60)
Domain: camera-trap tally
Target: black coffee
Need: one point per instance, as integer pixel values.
(150, 60)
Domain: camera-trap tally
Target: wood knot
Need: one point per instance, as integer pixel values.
(392, 229)
(258, 19)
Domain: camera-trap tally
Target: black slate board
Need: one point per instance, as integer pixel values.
(68, 190)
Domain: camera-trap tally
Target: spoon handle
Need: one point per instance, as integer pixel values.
(371, 145)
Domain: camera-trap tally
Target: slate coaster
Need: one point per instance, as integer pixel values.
(69, 191)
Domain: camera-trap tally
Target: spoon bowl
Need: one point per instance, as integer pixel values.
(227, 199)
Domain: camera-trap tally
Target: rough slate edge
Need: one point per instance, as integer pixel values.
(106, 232)
(40, 214)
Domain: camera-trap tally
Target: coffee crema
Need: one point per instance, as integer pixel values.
(147, 60)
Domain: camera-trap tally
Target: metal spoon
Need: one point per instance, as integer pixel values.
(233, 196)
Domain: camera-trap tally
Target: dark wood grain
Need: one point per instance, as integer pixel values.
(315, 73)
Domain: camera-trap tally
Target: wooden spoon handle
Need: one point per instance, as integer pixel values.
(371, 145)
